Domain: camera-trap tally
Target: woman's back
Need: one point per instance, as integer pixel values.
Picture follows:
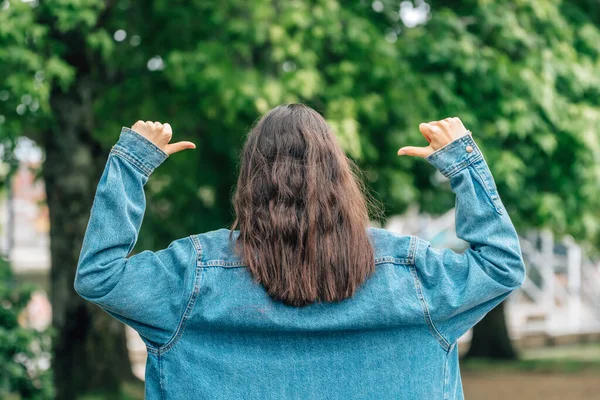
(212, 331)
(236, 341)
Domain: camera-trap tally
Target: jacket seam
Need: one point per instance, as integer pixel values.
(150, 348)
(488, 190)
(148, 142)
(394, 260)
(118, 149)
(160, 376)
(456, 168)
(446, 375)
(220, 263)
(190, 305)
(432, 329)
(139, 165)
(449, 146)
(412, 249)
(408, 260)
(428, 320)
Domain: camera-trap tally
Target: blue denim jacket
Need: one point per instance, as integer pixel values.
(212, 333)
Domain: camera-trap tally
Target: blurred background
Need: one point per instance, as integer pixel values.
(523, 75)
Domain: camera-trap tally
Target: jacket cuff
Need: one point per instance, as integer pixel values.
(455, 156)
(139, 151)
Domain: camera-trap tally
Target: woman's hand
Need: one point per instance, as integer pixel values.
(438, 134)
(160, 135)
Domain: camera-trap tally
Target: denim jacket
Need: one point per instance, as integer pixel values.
(213, 333)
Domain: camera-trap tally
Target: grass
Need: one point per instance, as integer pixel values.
(129, 391)
(564, 359)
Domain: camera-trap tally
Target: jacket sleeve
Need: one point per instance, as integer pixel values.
(459, 289)
(150, 290)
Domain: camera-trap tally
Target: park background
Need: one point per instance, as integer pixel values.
(523, 75)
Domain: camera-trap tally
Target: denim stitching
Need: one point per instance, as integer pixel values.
(455, 168)
(412, 249)
(153, 146)
(461, 141)
(393, 260)
(488, 190)
(432, 329)
(189, 309)
(148, 167)
(149, 346)
(197, 279)
(222, 266)
(446, 380)
(160, 376)
(122, 151)
(151, 349)
(434, 332)
(239, 264)
(129, 158)
(221, 263)
(132, 160)
(198, 247)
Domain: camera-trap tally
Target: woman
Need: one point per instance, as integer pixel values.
(305, 300)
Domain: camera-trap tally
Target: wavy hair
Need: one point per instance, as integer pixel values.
(302, 212)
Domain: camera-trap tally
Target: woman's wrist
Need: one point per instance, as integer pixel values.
(138, 151)
(455, 156)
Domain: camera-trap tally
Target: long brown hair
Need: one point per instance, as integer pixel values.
(301, 210)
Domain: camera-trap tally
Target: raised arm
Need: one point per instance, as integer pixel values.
(459, 289)
(148, 291)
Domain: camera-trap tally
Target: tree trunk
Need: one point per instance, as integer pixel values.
(89, 348)
(490, 337)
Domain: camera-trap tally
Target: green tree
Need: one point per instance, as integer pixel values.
(523, 76)
(22, 350)
(47, 63)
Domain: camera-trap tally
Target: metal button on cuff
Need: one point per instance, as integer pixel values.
(469, 149)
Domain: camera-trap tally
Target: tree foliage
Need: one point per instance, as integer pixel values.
(523, 76)
(23, 351)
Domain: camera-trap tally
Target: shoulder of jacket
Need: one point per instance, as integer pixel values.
(217, 248)
(393, 247)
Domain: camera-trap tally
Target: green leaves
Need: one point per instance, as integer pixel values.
(28, 69)
(523, 76)
(75, 14)
(525, 71)
(24, 352)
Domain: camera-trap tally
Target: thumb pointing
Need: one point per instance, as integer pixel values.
(179, 146)
(415, 151)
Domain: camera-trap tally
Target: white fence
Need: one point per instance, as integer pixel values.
(561, 294)
(562, 290)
